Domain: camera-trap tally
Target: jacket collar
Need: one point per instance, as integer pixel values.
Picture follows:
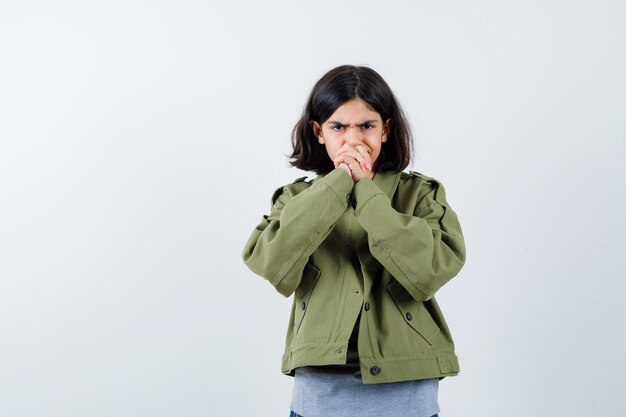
(386, 181)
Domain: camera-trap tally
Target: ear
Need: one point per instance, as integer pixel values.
(386, 129)
(317, 130)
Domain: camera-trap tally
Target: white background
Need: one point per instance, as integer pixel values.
(140, 143)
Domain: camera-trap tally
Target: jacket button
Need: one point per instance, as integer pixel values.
(409, 316)
(375, 370)
(367, 306)
(303, 305)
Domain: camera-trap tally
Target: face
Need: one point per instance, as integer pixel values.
(355, 123)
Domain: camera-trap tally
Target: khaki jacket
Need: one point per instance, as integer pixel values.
(380, 246)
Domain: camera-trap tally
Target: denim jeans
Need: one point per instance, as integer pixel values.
(292, 414)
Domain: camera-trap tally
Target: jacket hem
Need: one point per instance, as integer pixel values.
(441, 365)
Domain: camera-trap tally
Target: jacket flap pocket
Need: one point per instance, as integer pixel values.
(303, 293)
(309, 278)
(413, 312)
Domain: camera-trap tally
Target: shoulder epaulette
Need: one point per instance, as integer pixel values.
(422, 176)
(280, 190)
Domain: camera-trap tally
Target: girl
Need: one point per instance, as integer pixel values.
(363, 247)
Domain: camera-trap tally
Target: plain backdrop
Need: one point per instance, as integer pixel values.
(140, 143)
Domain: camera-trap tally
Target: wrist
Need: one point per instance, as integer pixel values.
(368, 175)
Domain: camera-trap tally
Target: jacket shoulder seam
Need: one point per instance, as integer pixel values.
(295, 187)
(420, 176)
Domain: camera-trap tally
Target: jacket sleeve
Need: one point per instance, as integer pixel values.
(280, 246)
(422, 251)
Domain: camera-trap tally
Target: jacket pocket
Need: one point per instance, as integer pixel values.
(310, 276)
(413, 312)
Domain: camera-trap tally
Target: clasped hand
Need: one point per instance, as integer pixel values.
(355, 160)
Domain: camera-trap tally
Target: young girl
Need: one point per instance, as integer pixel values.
(363, 247)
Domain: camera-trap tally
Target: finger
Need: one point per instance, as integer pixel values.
(345, 158)
(352, 153)
(356, 169)
(366, 156)
(354, 164)
(343, 148)
(346, 147)
(363, 159)
(345, 167)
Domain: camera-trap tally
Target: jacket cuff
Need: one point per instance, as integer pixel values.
(364, 190)
(341, 184)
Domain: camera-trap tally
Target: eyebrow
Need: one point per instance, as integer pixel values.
(362, 123)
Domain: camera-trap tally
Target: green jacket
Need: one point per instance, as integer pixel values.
(380, 246)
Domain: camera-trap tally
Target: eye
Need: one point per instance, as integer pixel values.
(337, 127)
(367, 126)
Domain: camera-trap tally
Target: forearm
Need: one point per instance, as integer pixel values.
(282, 243)
(422, 251)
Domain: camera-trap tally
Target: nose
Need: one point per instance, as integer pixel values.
(354, 136)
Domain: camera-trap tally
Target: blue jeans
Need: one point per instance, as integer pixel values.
(292, 414)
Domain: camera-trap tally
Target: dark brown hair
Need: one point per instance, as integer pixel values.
(336, 87)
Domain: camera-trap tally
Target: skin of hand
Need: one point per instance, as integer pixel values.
(355, 160)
